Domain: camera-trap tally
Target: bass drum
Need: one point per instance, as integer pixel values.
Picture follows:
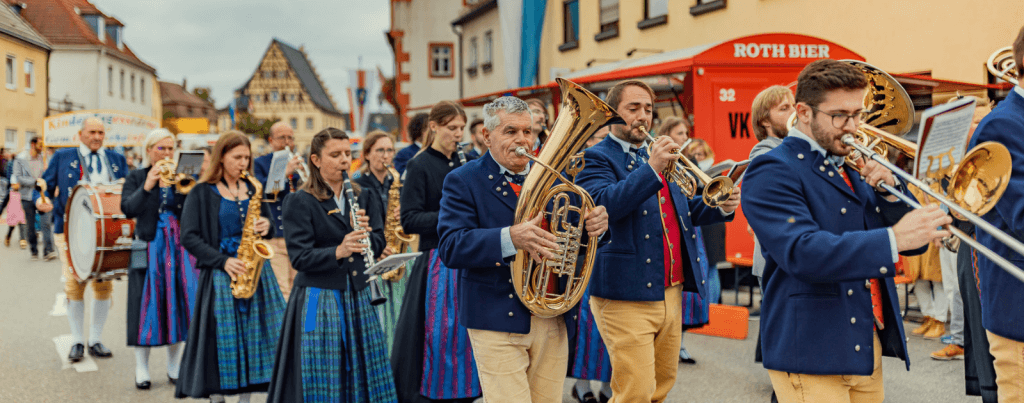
(99, 235)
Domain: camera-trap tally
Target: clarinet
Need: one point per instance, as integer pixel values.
(376, 296)
(462, 155)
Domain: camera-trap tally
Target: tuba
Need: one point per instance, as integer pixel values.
(251, 249)
(1002, 65)
(183, 182)
(563, 205)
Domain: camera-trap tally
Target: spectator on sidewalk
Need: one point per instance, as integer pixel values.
(29, 167)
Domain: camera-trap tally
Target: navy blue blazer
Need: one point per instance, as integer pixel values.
(476, 203)
(1002, 299)
(261, 168)
(630, 262)
(65, 171)
(821, 242)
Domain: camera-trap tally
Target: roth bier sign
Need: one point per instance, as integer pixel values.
(780, 51)
(123, 129)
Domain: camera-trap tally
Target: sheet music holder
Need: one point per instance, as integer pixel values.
(942, 141)
(189, 162)
(276, 180)
(736, 172)
(720, 168)
(391, 263)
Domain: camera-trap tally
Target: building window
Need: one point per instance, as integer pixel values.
(609, 20)
(188, 111)
(472, 56)
(309, 123)
(300, 97)
(291, 97)
(30, 77)
(131, 82)
(11, 139)
(122, 84)
(441, 60)
(110, 80)
(706, 6)
(268, 74)
(488, 50)
(11, 83)
(570, 25)
(142, 90)
(274, 96)
(655, 13)
(294, 123)
(282, 74)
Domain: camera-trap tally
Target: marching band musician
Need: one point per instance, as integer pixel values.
(378, 151)
(162, 297)
(426, 367)
(231, 342)
(830, 243)
(417, 128)
(1002, 311)
(68, 166)
(520, 357)
(281, 136)
(652, 254)
(332, 347)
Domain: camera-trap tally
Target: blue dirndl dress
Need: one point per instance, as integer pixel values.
(234, 340)
(161, 299)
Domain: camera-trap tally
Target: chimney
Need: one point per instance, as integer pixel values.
(184, 83)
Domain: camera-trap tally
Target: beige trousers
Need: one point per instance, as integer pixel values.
(792, 388)
(643, 339)
(74, 290)
(282, 266)
(1009, 363)
(522, 368)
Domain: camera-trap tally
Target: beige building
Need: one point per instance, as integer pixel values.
(481, 52)
(947, 39)
(286, 87)
(424, 44)
(23, 98)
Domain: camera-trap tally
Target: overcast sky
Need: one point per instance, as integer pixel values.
(217, 43)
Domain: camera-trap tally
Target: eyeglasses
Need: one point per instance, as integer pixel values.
(162, 148)
(839, 120)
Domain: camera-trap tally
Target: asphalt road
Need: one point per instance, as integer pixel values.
(31, 370)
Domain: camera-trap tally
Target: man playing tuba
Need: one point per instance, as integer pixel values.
(478, 208)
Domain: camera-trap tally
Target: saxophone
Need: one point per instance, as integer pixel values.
(251, 249)
(396, 237)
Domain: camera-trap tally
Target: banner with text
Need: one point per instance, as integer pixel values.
(122, 128)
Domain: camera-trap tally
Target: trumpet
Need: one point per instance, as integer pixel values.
(303, 170)
(1002, 65)
(687, 175)
(183, 182)
(41, 188)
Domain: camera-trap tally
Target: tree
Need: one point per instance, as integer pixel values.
(204, 93)
(250, 125)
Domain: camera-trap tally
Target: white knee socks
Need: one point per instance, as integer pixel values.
(606, 389)
(99, 317)
(174, 359)
(244, 397)
(142, 364)
(582, 387)
(76, 316)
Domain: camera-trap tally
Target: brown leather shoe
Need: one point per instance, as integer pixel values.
(928, 321)
(937, 330)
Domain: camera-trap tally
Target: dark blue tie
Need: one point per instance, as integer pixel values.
(514, 178)
(640, 153)
(94, 161)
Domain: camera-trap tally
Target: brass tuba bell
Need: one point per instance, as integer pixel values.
(1002, 65)
(564, 205)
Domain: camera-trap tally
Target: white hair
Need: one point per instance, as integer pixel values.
(507, 104)
(152, 138)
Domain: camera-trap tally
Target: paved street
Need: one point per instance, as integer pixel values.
(32, 371)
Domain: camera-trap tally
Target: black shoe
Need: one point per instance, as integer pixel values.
(77, 351)
(587, 397)
(98, 350)
(173, 381)
(142, 385)
(605, 399)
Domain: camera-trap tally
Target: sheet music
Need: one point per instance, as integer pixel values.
(391, 263)
(276, 180)
(942, 141)
(189, 162)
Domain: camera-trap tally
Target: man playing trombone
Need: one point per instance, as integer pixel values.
(1002, 302)
(830, 243)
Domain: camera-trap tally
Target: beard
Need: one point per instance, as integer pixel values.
(826, 137)
(779, 129)
(627, 133)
